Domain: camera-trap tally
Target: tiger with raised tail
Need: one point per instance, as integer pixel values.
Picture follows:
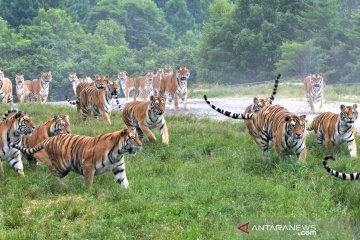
(275, 123)
(41, 87)
(88, 156)
(5, 89)
(341, 175)
(23, 88)
(257, 104)
(314, 89)
(145, 116)
(332, 129)
(11, 130)
(59, 124)
(98, 101)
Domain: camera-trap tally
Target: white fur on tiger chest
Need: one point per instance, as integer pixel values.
(342, 136)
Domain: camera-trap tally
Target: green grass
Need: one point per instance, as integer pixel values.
(208, 181)
(331, 92)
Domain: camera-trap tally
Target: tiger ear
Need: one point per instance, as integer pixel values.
(255, 100)
(56, 117)
(303, 117)
(287, 118)
(355, 106)
(342, 107)
(123, 133)
(18, 114)
(152, 98)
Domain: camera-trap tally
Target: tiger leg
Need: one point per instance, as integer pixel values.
(32, 161)
(140, 133)
(320, 137)
(302, 155)
(321, 105)
(352, 147)
(1, 168)
(127, 90)
(10, 99)
(164, 132)
(176, 102)
(106, 117)
(17, 164)
(265, 146)
(44, 157)
(84, 112)
(311, 105)
(89, 172)
(150, 136)
(120, 173)
(185, 102)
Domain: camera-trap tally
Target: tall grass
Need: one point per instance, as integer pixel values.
(209, 180)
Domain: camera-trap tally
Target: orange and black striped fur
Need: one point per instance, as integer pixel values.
(144, 86)
(314, 89)
(11, 130)
(341, 175)
(88, 156)
(257, 104)
(333, 129)
(98, 101)
(176, 86)
(157, 81)
(59, 124)
(127, 83)
(75, 81)
(5, 89)
(145, 116)
(24, 88)
(41, 87)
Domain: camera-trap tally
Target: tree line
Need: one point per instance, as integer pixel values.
(223, 41)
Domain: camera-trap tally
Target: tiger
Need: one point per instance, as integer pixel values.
(23, 88)
(75, 81)
(59, 124)
(275, 123)
(5, 89)
(176, 86)
(127, 83)
(157, 81)
(314, 89)
(11, 130)
(98, 101)
(168, 71)
(341, 175)
(145, 116)
(41, 87)
(333, 129)
(88, 156)
(144, 85)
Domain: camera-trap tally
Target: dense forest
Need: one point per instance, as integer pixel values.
(222, 41)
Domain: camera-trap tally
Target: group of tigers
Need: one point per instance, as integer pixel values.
(266, 122)
(90, 156)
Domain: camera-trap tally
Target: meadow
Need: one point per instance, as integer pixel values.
(210, 179)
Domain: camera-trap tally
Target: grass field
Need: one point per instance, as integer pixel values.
(209, 180)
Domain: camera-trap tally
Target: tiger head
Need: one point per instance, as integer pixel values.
(60, 124)
(46, 76)
(316, 82)
(112, 87)
(259, 103)
(130, 141)
(183, 73)
(348, 114)
(23, 124)
(101, 81)
(295, 126)
(122, 77)
(157, 104)
(73, 78)
(168, 70)
(19, 80)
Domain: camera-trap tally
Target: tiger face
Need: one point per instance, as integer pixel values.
(23, 124)
(101, 81)
(258, 104)
(348, 114)
(113, 86)
(19, 79)
(157, 104)
(73, 78)
(295, 126)
(46, 76)
(168, 70)
(60, 124)
(131, 140)
(183, 73)
(316, 82)
(122, 76)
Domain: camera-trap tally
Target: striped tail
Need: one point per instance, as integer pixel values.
(28, 151)
(117, 101)
(244, 116)
(8, 112)
(276, 84)
(343, 176)
(71, 102)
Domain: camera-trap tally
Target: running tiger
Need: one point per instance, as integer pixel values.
(176, 86)
(333, 129)
(88, 156)
(5, 89)
(257, 104)
(59, 124)
(145, 116)
(11, 130)
(314, 89)
(343, 176)
(41, 87)
(275, 123)
(24, 88)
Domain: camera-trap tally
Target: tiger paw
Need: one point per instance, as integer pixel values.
(125, 183)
